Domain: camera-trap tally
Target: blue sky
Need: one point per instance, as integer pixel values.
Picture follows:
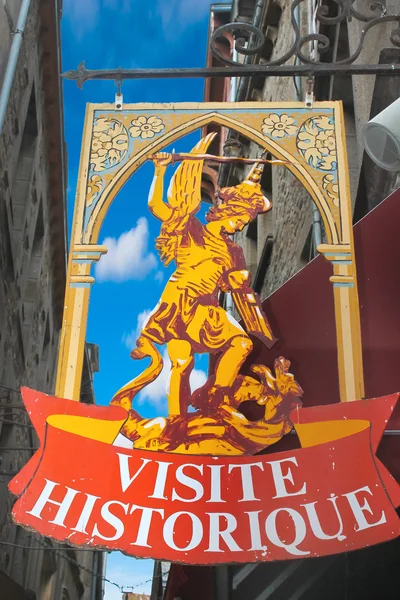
(130, 34)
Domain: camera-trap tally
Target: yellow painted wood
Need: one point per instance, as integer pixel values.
(339, 250)
(297, 168)
(348, 330)
(76, 304)
(351, 303)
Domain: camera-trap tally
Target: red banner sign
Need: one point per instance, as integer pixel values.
(332, 495)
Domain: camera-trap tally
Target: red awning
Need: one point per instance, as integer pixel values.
(301, 313)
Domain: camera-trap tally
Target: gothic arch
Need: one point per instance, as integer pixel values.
(330, 193)
(92, 230)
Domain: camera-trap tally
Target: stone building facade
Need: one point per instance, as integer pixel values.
(285, 239)
(33, 245)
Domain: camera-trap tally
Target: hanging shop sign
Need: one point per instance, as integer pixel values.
(333, 495)
(190, 489)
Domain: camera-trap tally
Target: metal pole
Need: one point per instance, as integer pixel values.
(81, 75)
(317, 227)
(297, 79)
(155, 584)
(12, 61)
(93, 592)
(245, 81)
(223, 8)
(317, 230)
(177, 157)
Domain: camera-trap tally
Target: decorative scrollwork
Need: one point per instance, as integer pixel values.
(345, 11)
(374, 8)
(331, 186)
(249, 40)
(109, 144)
(245, 32)
(317, 143)
(94, 187)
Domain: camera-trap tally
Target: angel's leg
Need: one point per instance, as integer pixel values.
(228, 368)
(231, 360)
(145, 348)
(182, 361)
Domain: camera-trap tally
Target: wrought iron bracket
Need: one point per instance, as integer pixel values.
(249, 40)
(81, 75)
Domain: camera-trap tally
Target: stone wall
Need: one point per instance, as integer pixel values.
(292, 205)
(32, 270)
(9, 10)
(290, 221)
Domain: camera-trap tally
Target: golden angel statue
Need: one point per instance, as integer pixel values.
(188, 317)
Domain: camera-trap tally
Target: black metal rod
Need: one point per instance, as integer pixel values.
(218, 159)
(81, 75)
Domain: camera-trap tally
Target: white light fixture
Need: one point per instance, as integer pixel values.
(381, 137)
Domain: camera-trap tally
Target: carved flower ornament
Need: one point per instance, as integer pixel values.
(331, 187)
(94, 187)
(146, 127)
(109, 144)
(317, 143)
(278, 125)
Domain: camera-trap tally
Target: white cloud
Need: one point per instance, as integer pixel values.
(155, 393)
(128, 256)
(197, 379)
(159, 276)
(129, 339)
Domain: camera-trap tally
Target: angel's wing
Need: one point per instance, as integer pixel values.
(184, 197)
(184, 193)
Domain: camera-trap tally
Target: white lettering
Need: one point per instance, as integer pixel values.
(111, 520)
(215, 483)
(125, 476)
(86, 513)
(254, 522)
(159, 487)
(299, 528)
(316, 525)
(280, 478)
(44, 499)
(145, 523)
(247, 479)
(197, 531)
(189, 482)
(359, 510)
(225, 534)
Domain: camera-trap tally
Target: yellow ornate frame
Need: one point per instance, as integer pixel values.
(117, 142)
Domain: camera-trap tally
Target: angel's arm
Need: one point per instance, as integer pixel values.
(247, 302)
(157, 206)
